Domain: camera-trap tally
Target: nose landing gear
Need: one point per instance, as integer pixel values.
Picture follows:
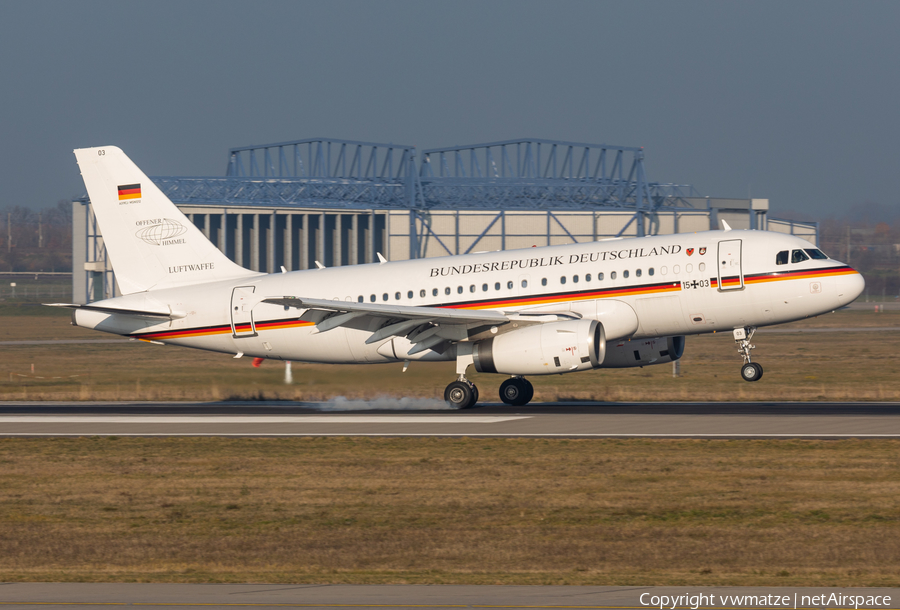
(516, 391)
(750, 371)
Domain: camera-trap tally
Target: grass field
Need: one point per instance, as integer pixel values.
(610, 512)
(527, 511)
(815, 366)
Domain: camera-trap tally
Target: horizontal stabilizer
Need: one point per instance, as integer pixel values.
(140, 313)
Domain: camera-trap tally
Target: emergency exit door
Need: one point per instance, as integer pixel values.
(242, 303)
(730, 275)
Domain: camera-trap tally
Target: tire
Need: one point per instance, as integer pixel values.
(460, 395)
(529, 391)
(751, 371)
(516, 391)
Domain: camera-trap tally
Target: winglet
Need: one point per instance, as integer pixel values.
(381, 259)
(725, 226)
(319, 265)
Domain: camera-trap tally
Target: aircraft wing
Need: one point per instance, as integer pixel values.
(427, 327)
(437, 314)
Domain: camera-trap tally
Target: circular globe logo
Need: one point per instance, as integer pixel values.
(165, 229)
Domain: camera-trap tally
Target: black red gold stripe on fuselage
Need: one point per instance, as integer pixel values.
(777, 276)
(221, 329)
(509, 302)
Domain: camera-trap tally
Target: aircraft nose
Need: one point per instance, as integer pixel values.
(849, 287)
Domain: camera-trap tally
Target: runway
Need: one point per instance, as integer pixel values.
(430, 418)
(82, 595)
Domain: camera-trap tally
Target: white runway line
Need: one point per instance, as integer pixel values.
(712, 435)
(258, 419)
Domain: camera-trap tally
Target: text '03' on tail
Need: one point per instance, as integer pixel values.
(150, 243)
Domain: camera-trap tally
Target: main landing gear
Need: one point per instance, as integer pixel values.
(461, 394)
(516, 391)
(750, 371)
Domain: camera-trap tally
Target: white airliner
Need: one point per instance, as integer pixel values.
(536, 311)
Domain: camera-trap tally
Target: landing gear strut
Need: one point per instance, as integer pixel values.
(516, 391)
(750, 371)
(462, 393)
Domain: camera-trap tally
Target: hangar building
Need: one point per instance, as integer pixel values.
(341, 202)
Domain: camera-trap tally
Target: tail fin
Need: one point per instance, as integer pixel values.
(151, 244)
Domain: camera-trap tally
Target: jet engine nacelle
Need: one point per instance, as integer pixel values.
(543, 349)
(641, 352)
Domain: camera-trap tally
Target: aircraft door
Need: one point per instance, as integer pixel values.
(242, 312)
(729, 264)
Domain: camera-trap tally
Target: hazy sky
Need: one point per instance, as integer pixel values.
(794, 101)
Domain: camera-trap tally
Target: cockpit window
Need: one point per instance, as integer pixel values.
(815, 254)
(798, 256)
(781, 258)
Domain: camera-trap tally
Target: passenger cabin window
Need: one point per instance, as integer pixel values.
(524, 283)
(638, 272)
(484, 288)
(409, 294)
(600, 277)
(360, 299)
(384, 297)
(651, 271)
(372, 298)
(447, 290)
(587, 277)
(434, 292)
(422, 293)
(459, 290)
(472, 288)
(781, 258)
(612, 275)
(798, 256)
(509, 285)
(496, 285)
(543, 281)
(816, 254)
(625, 273)
(397, 295)
(575, 278)
(562, 280)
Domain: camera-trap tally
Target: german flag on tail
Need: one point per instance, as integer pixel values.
(129, 191)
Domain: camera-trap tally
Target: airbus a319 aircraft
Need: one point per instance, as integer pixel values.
(537, 311)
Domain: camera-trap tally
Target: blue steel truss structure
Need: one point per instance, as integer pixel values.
(516, 174)
(527, 174)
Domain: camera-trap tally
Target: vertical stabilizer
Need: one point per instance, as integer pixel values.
(150, 243)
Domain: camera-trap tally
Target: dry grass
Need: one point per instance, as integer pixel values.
(815, 366)
(662, 512)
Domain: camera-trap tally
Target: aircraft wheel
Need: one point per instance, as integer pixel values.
(461, 395)
(529, 391)
(516, 391)
(751, 371)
